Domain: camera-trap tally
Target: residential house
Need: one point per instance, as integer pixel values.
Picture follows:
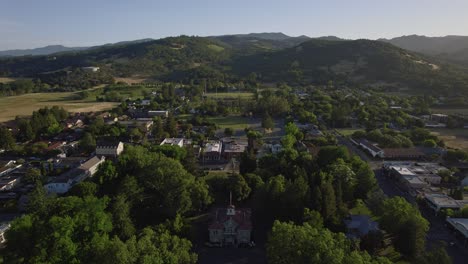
(7, 166)
(358, 226)
(8, 182)
(109, 148)
(230, 226)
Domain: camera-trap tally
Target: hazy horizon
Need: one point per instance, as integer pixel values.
(89, 23)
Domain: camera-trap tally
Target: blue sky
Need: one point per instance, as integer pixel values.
(36, 23)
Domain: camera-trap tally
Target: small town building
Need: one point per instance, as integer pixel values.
(173, 142)
(460, 226)
(233, 149)
(7, 166)
(230, 226)
(109, 148)
(212, 150)
(371, 147)
(9, 181)
(91, 166)
(161, 113)
(440, 201)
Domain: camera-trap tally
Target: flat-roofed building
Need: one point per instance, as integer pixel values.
(460, 226)
(212, 150)
(173, 142)
(441, 201)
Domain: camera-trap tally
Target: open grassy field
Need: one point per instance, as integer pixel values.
(8, 79)
(24, 105)
(347, 131)
(453, 138)
(234, 122)
(231, 95)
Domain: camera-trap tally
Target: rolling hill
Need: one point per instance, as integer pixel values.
(275, 57)
(47, 50)
(451, 48)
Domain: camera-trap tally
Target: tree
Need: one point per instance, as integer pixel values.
(289, 243)
(171, 126)
(437, 254)
(123, 225)
(327, 155)
(158, 128)
(405, 221)
(7, 141)
(313, 218)
(248, 162)
(136, 135)
(83, 189)
(228, 132)
(32, 175)
(267, 122)
(88, 142)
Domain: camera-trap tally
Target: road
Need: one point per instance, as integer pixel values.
(437, 231)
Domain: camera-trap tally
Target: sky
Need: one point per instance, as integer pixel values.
(37, 23)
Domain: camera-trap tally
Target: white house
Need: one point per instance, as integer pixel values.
(109, 149)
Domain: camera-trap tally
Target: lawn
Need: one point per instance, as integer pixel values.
(234, 122)
(231, 95)
(453, 138)
(23, 105)
(347, 131)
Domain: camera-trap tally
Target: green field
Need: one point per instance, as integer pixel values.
(230, 95)
(215, 47)
(24, 105)
(454, 138)
(234, 122)
(347, 131)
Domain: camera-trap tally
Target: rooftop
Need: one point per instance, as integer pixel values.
(442, 200)
(172, 141)
(90, 163)
(213, 146)
(461, 224)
